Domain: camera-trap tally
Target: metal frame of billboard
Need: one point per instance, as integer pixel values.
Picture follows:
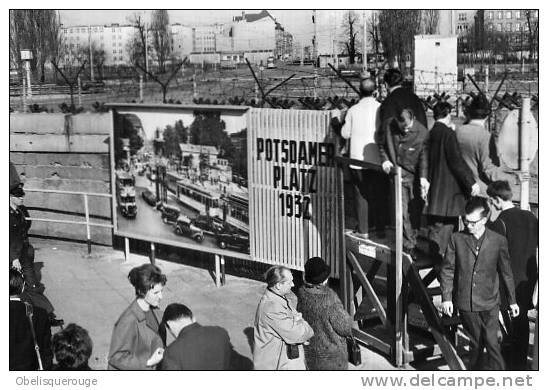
(164, 241)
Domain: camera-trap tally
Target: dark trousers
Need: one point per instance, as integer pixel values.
(27, 266)
(412, 205)
(515, 345)
(371, 191)
(482, 327)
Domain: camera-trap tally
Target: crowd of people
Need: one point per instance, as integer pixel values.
(450, 187)
(487, 267)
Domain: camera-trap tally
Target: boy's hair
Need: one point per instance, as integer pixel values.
(477, 203)
(500, 189)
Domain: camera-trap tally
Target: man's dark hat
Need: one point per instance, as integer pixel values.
(479, 107)
(14, 177)
(17, 191)
(316, 271)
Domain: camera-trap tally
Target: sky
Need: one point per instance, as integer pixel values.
(297, 22)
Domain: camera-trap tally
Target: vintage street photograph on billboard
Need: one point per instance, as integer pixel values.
(180, 176)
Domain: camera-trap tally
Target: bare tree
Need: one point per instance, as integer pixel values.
(429, 21)
(532, 30)
(161, 36)
(373, 34)
(351, 30)
(37, 30)
(162, 81)
(397, 30)
(137, 45)
(96, 59)
(69, 65)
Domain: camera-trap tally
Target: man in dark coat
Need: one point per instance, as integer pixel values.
(451, 180)
(21, 343)
(520, 227)
(196, 347)
(473, 262)
(404, 143)
(399, 98)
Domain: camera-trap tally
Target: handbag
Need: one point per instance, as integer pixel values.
(29, 313)
(354, 352)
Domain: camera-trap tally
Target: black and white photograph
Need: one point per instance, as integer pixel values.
(275, 189)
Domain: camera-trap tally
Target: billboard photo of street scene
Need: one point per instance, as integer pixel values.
(180, 177)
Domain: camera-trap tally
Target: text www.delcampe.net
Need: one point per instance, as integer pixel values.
(439, 380)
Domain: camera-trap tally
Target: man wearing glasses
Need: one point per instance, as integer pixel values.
(475, 258)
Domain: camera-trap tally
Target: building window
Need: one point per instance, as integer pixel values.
(518, 14)
(499, 27)
(120, 51)
(518, 27)
(509, 27)
(508, 14)
(114, 52)
(462, 17)
(114, 58)
(490, 15)
(499, 15)
(113, 30)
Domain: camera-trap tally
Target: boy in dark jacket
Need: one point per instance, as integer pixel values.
(404, 143)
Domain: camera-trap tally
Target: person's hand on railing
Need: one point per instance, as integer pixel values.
(425, 186)
(16, 264)
(447, 308)
(475, 189)
(387, 166)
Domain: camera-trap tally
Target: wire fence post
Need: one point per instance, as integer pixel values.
(24, 95)
(141, 88)
(79, 92)
(152, 253)
(88, 230)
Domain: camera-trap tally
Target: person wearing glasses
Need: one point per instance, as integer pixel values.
(478, 260)
(280, 331)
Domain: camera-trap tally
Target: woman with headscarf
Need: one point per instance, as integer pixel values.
(323, 310)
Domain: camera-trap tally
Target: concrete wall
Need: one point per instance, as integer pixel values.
(68, 153)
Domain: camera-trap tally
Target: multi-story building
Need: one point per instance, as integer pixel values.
(112, 39)
(181, 40)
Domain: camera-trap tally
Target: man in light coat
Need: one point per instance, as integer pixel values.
(280, 330)
(370, 185)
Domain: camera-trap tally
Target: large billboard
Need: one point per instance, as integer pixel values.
(244, 182)
(180, 176)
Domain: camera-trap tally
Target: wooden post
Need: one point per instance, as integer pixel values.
(342, 250)
(88, 233)
(126, 248)
(398, 271)
(152, 253)
(223, 275)
(524, 151)
(24, 95)
(79, 92)
(141, 88)
(217, 271)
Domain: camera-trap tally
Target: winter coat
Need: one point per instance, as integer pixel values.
(451, 180)
(134, 339)
(324, 311)
(277, 323)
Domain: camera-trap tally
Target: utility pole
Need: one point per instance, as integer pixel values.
(146, 49)
(315, 39)
(364, 54)
(90, 54)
